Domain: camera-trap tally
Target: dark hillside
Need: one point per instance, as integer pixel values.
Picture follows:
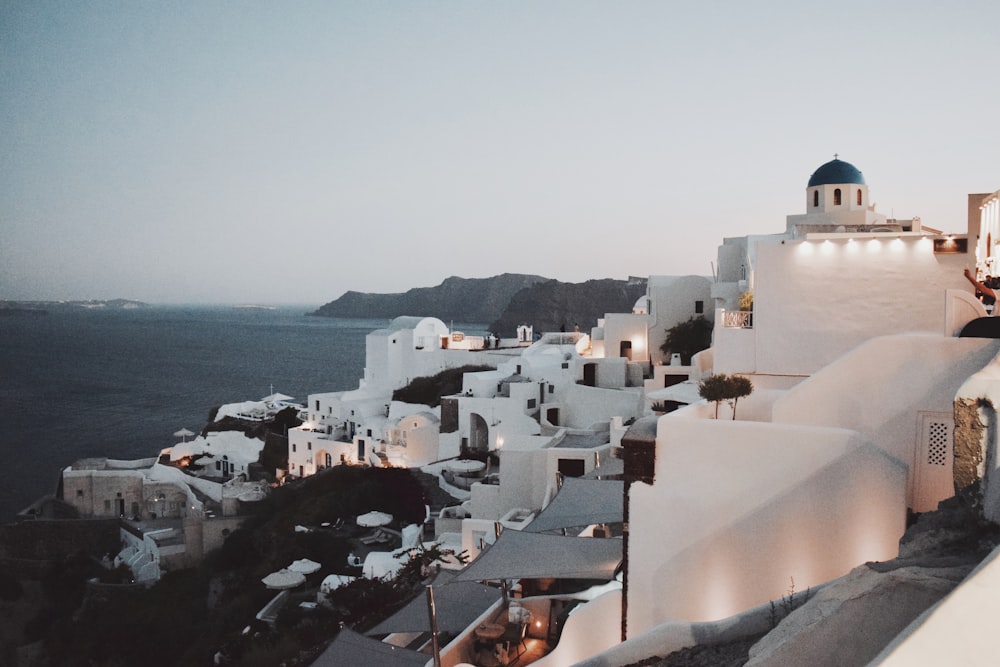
(462, 299)
(558, 306)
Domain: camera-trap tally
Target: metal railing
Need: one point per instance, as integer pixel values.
(737, 319)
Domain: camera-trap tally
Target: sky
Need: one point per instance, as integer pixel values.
(287, 152)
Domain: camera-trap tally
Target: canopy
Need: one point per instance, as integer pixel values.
(457, 605)
(520, 555)
(350, 648)
(305, 566)
(682, 392)
(274, 398)
(374, 519)
(283, 579)
(184, 434)
(581, 502)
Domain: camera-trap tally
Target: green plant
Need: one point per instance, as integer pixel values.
(688, 338)
(722, 387)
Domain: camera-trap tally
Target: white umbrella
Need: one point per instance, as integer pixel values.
(374, 519)
(274, 398)
(183, 433)
(283, 579)
(305, 566)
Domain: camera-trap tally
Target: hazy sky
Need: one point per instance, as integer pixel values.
(286, 152)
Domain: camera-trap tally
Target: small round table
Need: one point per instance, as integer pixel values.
(489, 632)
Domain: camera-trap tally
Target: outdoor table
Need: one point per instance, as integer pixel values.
(490, 632)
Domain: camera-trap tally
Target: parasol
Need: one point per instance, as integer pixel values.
(374, 519)
(305, 566)
(283, 579)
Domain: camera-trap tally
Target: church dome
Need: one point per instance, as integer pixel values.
(834, 172)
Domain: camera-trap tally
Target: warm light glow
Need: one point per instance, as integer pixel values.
(806, 248)
(638, 343)
(499, 441)
(826, 247)
(896, 245)
(873, 245)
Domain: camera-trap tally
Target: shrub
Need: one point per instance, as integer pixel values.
(722, 387)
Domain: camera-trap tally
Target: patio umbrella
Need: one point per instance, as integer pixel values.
(274, 398)
(183, 433)
(305, 566)
(283, 579)
(374, 519)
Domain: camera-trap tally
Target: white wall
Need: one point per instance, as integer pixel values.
(737, 508)
(815, 300)
(588, 407)
(881, 388)
(590, 629)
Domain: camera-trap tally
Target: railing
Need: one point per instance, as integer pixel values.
(737, 319)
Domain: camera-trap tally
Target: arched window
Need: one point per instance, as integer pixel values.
(859, 196)
(836, 197)
(815, 198)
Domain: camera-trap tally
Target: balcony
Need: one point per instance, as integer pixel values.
(737, 319)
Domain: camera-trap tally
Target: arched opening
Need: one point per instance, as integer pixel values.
(836, 197)
(479, 434)
(815, 198)
(859, 196)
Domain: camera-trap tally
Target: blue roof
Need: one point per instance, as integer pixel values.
(834, 172)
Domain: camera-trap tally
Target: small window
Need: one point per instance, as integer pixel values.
(309, 446)
(699, 307)
(836, 197)
(552, 389)
(531, 403)
(293, 447)
(815, 198)
(859, 196)
(317, 406)
(79, 493)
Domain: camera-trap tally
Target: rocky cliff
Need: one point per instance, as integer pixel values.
(462, 299)
(558, 306)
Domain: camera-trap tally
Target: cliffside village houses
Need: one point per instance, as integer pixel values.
(848, 324)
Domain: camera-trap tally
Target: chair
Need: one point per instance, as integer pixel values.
(514, 636)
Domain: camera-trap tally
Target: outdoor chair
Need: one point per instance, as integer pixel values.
(514, 637)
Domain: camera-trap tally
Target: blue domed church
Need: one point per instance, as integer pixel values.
(837, 200)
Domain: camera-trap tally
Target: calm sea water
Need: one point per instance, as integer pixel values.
(119, 383)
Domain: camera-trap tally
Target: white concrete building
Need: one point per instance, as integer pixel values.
(850, 424)
(364, 426)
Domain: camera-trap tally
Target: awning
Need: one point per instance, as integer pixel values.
(682, 392)
(350, 648)
(457, 605)
(581, 502)
(520, 555)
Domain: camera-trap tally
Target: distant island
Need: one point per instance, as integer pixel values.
(43, 307)
(504, 301)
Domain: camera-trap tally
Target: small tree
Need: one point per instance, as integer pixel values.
(688, 338)
(722, 387)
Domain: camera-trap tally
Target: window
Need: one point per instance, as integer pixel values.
(531, 404)
(552, 389)
(79, 493)
(699, 307)
(815, 198)
(107, 505)
(317, 406)
(859, 196)
(836, 197)
(309, 446)
(293, 447)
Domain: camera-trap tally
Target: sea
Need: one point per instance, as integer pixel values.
(118, 383)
